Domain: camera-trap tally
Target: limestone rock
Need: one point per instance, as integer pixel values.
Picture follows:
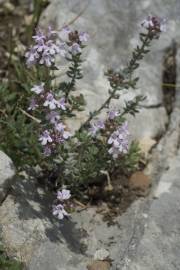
(101, 254)
(7, 173)
(159, 246)
(113, 27)
(146, 145)
(149, 123)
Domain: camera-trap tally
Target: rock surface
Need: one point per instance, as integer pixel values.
(7, 172)
(159, 247)
(147, 236)
(113, 27)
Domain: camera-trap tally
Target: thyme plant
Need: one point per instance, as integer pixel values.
(99, 146)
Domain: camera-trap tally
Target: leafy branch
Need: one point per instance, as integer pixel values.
(123, 80)
(74, 72)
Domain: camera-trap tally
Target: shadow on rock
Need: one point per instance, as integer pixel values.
(33, 203)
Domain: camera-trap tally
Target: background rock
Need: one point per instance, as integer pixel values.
(146, 145)
(159, 247)
(113, 27)
(31, 233)
(7, 173)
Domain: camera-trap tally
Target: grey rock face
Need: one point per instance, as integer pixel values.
(145, 237)
(7, 172)
(113, 27)
(159, 247)
(30, 232)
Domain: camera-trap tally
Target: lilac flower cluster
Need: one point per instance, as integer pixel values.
(59, 210)
(45, 48)
(119, 141)
(99, 125)
(154, 24)
(48, 103)
(73, 40)
(47, 45)
(113, 114)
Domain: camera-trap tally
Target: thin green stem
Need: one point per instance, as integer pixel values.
(73, 74)
(134, 61)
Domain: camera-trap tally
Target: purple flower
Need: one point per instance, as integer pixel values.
(47, 151)
(38, 89)
(59, 211)
(119, 141)
(46, 59)
(39, 48)
(39, 37)
(61, 104)
(50, 102)
(113, 114)
(95, 127)
(33, 105)
(93, 130)
(59, 139)
(32, 57)
(63, 195)
(53, 117)
(83, 36)
(44, 49)
(66, 29)
(100, 124)
(147, 23)
(114, 151)
(124, 128)
(60, 127)
(75, 49)
(45, 137)
(51, 48)
(66, 135)
(155, 24)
